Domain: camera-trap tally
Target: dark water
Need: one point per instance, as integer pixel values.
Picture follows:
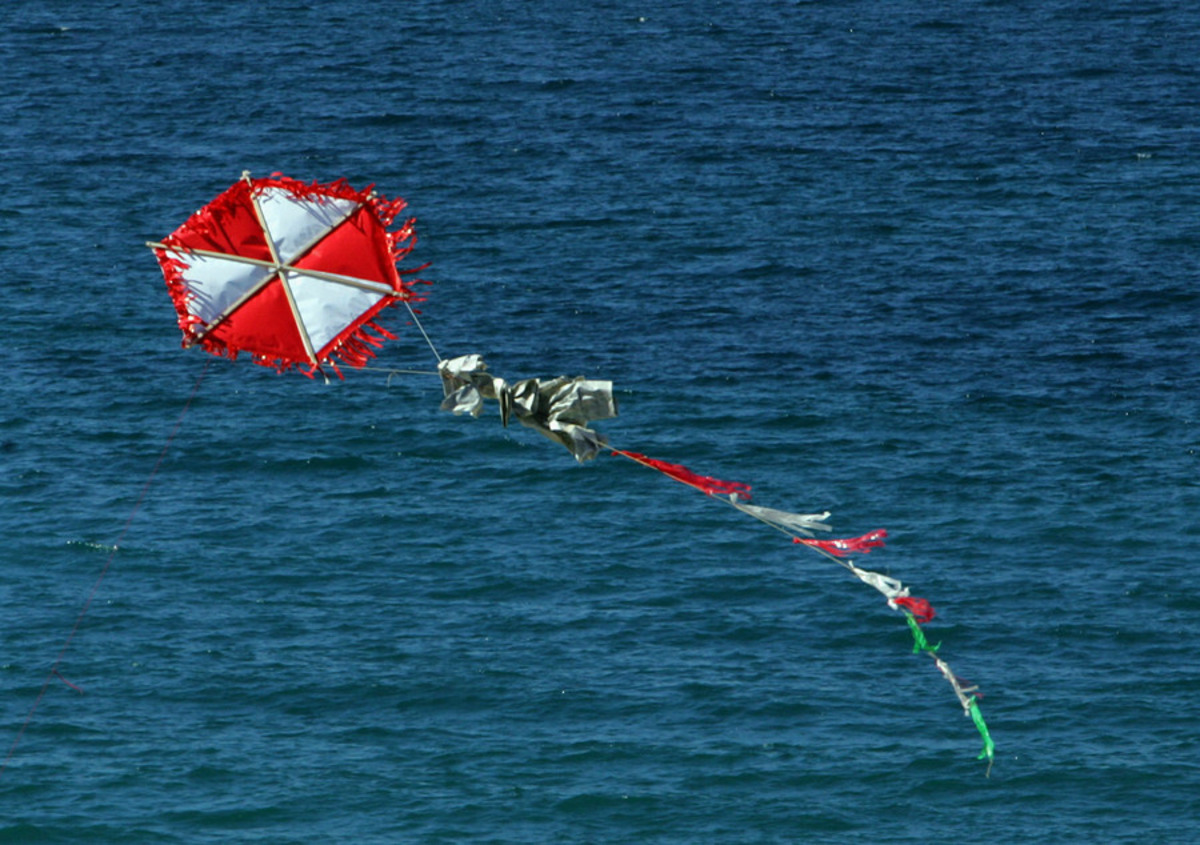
(930, 266)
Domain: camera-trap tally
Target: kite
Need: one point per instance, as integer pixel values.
(296, 275)
(291, 273)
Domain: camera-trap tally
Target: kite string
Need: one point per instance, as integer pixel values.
(421, 328)
(53, 673)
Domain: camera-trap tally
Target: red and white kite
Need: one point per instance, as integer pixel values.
(292, 273)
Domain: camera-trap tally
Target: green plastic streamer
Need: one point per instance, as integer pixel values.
(920, 644)
(989, 748)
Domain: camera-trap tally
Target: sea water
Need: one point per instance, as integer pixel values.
(930, 267)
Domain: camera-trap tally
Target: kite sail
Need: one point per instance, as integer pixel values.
(294, 274)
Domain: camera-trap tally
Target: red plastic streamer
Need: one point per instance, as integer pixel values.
(708, 484)
(921, 609)
(848, 545)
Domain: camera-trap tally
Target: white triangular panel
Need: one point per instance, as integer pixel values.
(326, 308)
(216, 284)
(297, 223)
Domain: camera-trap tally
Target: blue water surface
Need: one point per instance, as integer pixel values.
(931, 267)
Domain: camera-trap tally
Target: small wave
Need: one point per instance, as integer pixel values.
(88, 544)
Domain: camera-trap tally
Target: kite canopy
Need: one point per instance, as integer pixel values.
(292, 273)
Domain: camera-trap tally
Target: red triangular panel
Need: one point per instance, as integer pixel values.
(357, 248)
(264, 325)
(228, 224)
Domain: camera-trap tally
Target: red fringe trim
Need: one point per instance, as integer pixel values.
(681, 473)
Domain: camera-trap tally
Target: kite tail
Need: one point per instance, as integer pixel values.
(467, 383)
(917, 611)
(968, 696)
